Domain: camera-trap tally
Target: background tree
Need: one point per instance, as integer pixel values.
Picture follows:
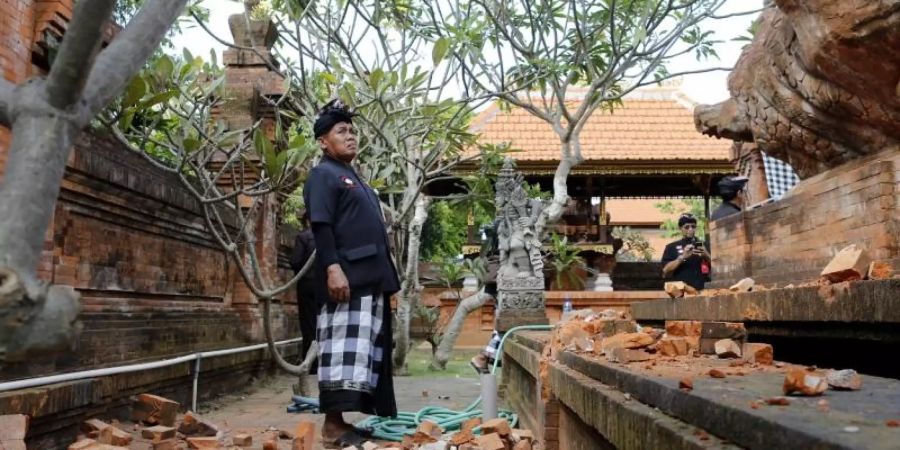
(411, 131)
(573, 57)
(45, 116)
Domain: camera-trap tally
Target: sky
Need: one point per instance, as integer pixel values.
(703, 88)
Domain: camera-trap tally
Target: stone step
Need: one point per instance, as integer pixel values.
(722, 407)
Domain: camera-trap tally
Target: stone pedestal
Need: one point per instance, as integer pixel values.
(520, 301)
(603, 283)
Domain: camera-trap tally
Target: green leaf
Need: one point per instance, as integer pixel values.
(187, 54)
(125, 120)
(375, 77)
(157, 99)
(441, 46)
(135, 91)
(164, 67)
(190, 144)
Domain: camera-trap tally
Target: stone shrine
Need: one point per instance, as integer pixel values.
(520, 279)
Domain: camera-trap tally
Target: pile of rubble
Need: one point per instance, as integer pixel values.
(496, 434)
(158, 427)
(684, 350)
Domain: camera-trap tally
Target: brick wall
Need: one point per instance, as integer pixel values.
(791, 240)
(154, 284)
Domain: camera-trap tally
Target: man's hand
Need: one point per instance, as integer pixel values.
(688, 251)
(701, 252)
(338, 286)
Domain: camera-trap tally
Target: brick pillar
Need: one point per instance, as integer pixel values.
(248, 82)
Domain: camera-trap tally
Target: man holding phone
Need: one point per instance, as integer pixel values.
(687, 259)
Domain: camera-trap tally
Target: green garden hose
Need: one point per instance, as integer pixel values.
(394, 428)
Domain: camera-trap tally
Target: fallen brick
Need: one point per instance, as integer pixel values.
(491, 441)
(610, 327)
(800, 381)
(242, 440)
(522, 445)
(13, 427)
(284, 434)
(624, 355)
(758, 353)
(851, 263)
(369, 445)
(158, 433)
(204, 442)
(499, 426)
(439, 445)
(114, 436)
(570, 331)
(778, 401)
(686, 383)
(462, 437)
(85, 444)
(672, 346)
(879, 270)
(678, 289)
(471, 424)
(626, 340)
(154, 410)
(427, 432)
(727, 348)
(520, 434)
(170, 444)
(92, 427)
(892, 423)
(846, 379)
(716, 373)
(745, 285)
(194, 425)
(683, 328)
(304, 436)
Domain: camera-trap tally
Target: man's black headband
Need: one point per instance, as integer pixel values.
(332, 114)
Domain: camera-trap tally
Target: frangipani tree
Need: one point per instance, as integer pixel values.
(562, 60)
(46, 114)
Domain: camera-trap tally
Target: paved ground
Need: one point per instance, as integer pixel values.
(263, 405)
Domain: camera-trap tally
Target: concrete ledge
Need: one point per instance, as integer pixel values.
(622, 423)
(722, 406)
(859, 301)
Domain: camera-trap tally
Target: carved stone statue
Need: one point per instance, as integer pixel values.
(520, 279)
(818, 86)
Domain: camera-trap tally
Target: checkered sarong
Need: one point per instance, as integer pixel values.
(491, 348)
(347, 332)
(780, 176)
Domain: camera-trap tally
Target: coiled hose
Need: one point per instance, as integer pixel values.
(394, 428)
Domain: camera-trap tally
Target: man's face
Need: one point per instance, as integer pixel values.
(689, 229)
(340, 142)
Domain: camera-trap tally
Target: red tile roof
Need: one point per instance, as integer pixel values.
(655, 124)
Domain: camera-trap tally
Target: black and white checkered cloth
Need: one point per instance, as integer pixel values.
(347, 332)
(780, 176)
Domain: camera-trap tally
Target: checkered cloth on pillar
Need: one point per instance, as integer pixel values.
(780, 176)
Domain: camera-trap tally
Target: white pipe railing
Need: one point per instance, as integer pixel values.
(140, 367)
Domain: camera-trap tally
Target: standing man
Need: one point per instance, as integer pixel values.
(731, 189)
(356, 278)
(686, 259)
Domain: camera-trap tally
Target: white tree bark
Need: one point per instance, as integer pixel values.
(410, 288)
(46, 116)
(465, 307)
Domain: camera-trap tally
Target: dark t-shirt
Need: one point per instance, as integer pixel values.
(724, 210)
(689, 271)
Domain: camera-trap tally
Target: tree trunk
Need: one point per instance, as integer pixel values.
(445, 349)
(409, 288)
(41, 142)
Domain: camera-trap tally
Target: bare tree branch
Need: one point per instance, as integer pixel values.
(69, 72)
(123, 58)
(743, 13)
